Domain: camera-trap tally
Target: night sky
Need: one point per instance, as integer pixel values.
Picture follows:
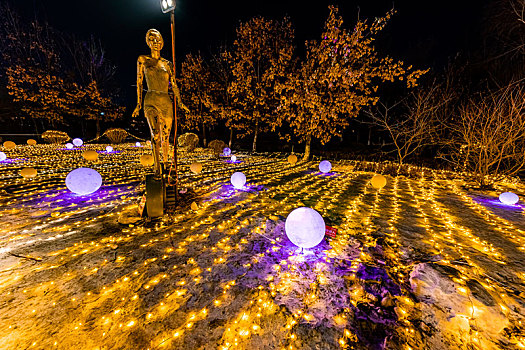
(422, 33)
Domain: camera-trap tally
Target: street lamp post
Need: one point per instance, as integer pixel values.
(169, 6)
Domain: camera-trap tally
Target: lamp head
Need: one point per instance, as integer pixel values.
(167, 5)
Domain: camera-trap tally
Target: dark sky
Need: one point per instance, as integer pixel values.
(423, 33)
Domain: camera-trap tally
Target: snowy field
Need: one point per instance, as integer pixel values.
(423, 263)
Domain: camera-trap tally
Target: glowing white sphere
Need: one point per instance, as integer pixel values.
(137, 144)
(78, 142)
(325, 166)
(226, 151)
(83, 181)
(509, 198)
(238, 179)
(305, 227)
(109, 149)
(69, 145)
(2, 156)
(233, 158)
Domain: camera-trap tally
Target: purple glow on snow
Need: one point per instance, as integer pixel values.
(227, 191)
(13, 160)
(492, 203)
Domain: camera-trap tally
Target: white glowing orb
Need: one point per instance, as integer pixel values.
(305, 227)
(509, 198)
(83, 181)
(238, 179)
(78, 142)
(325, 166)
(233, 158)
(226, 151)
(2, 156)
(137, 144)
(109, 149)
(69, 145)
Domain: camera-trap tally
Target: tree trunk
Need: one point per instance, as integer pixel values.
(255, 136)
(35, 125)
(98, 128)
(399, 158)
(204, 135)
(231, 138)
(369, 136)
(307, 148)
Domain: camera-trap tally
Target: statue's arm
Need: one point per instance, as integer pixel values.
(140, 79)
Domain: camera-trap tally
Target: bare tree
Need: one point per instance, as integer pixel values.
(505, 39)
(489, 135)
(418, 125)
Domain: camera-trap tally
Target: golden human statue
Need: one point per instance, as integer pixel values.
(158, 106)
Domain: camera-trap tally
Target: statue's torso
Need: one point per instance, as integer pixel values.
(157, 74)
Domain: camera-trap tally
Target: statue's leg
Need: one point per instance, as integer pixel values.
(152, 115)
(167, 121)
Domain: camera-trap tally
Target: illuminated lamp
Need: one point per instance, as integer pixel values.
(378, 181)
(28, 173)
(31, 142)
(305, 227)
(137, 144)
(196, 167)
(292, 159)
(83, 181)
(9, 144)
(325, 166)
(2, 156)
(109, 149)
(238, 180)
(90, 155)
(146, 160)
(69, 145)
(78, 142)
(509, 198)
(233, 158)
(226, 151)
(167, 5)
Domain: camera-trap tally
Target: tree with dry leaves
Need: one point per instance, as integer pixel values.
(339, 76)
(261, 60)
(223, 104)
(51, 75)
(197, 88)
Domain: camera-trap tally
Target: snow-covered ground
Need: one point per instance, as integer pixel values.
(422, 263)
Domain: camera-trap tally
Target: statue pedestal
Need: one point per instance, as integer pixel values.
(155, 196)
(159, 195)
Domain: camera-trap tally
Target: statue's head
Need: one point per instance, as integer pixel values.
(154, 39)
